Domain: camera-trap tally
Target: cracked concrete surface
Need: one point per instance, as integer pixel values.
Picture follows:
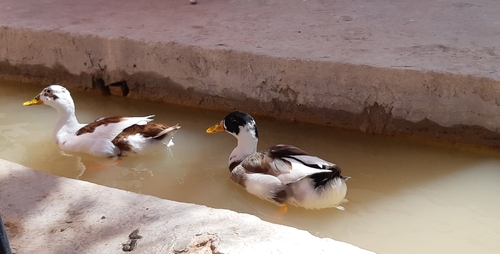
(49, 214)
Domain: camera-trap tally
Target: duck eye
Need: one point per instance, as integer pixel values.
(49, 91)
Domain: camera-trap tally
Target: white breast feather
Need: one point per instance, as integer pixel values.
(96, 147)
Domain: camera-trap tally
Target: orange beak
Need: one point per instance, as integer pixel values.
(216, 128)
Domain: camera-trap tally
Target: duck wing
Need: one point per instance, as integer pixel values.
(96, 137)
(287, 163)
(293, 152)
(110, 127)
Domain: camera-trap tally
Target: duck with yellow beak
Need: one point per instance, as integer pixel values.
(108, 136)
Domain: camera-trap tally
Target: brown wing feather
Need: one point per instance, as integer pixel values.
(256, 163)
(89, 128)
(270, 161)
(149, 130)
(279, 151)
(263, 163)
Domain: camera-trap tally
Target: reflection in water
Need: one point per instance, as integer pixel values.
(405, 196)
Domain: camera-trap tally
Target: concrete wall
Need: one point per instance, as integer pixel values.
(452, 107)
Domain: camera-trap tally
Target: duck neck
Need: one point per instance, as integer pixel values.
(247, 145)
(66, 122)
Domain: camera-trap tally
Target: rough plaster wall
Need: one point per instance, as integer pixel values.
(322, 92)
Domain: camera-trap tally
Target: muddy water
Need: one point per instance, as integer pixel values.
(406, 196)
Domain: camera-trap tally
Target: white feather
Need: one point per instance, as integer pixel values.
(96, 147)
(313, 160)
(331, 195)
(298, 171)
(263, 186)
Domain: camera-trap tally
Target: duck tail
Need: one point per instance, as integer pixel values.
(170, 130)
(323, 178)
(346, 178)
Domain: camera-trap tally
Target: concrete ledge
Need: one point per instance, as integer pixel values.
(49, 214)
(347, 64)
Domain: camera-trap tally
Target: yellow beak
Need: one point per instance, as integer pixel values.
(216, 128)
(35, 101)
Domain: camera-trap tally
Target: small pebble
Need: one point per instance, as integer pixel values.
(347, 18)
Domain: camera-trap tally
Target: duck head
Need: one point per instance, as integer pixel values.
(242, 126)
(55, 96)
(238, 124)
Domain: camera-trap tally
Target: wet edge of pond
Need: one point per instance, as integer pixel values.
(145, 86)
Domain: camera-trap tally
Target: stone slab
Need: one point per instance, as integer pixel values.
(44, 213)
(446, 36)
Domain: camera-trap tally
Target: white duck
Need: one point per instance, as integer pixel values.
(107, 136)
(283, 173)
